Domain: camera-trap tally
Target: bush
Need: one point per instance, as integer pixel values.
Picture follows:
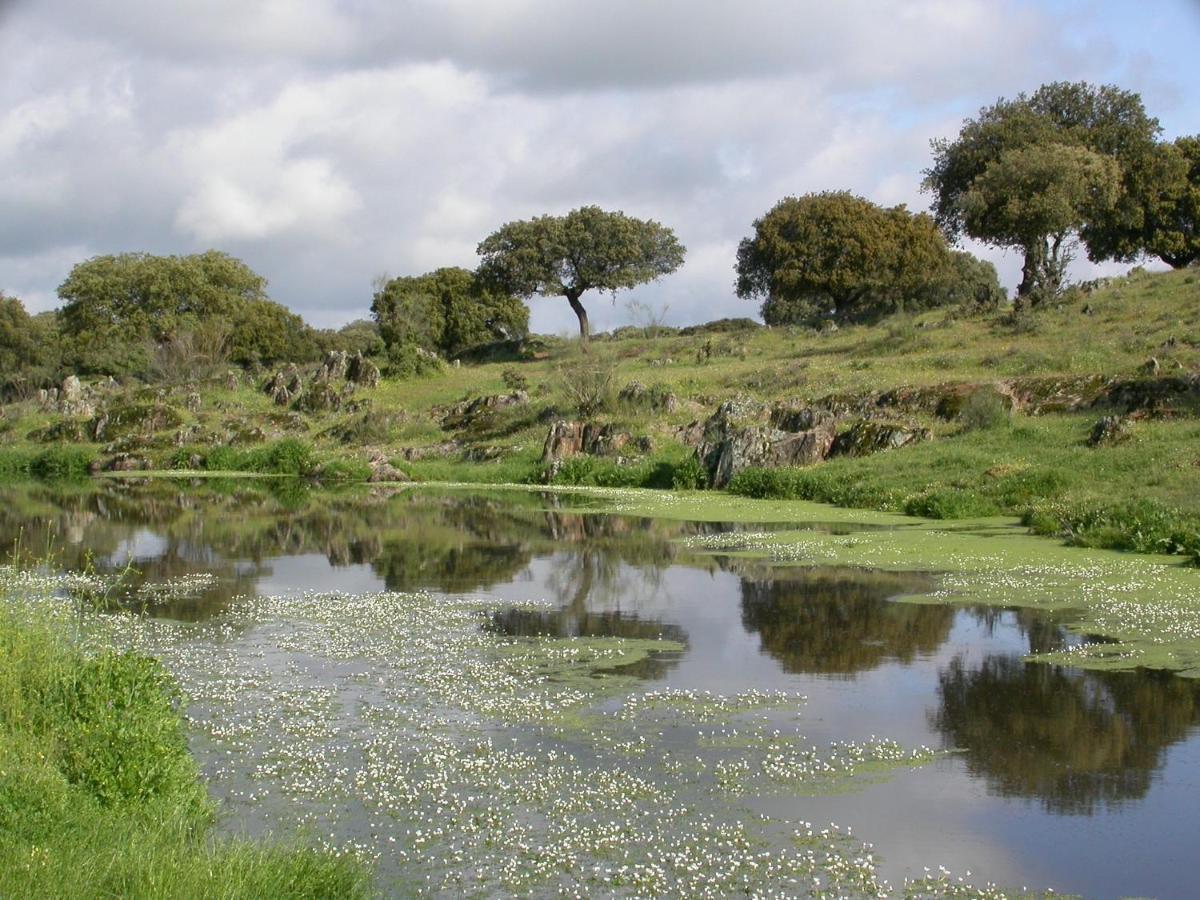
(344, 470)
(63, 462)
(514, 380)
(410, 361)
(949, 504)
(119, 732)
(985, 409)
(289, 456)
(1142, 526)
(589, 383)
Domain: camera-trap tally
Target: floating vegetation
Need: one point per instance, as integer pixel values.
(395, 728)
(1134, 610)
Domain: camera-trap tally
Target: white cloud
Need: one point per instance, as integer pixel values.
(325, 142)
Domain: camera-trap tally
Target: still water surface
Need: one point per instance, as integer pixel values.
(1082, 782)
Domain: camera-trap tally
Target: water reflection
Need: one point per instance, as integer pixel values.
(840, 621)
(1073, 740)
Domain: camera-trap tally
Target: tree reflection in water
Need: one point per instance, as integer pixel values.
(840, 621)
(1074, 740)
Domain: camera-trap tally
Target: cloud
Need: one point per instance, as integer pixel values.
(327, 141)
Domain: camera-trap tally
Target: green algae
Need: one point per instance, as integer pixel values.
(1128, 610)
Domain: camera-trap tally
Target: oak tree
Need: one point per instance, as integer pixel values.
(587, 249)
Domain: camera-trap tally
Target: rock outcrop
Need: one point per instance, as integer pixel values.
(567, 439)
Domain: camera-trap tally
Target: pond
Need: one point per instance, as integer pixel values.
(519, 692)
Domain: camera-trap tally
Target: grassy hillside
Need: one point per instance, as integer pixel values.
(1141, 492)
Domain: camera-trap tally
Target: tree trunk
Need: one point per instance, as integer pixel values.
(1031, 272)
(581, 314)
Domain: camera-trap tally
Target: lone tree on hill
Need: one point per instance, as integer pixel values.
(1032, 172)
(840, 253)
(588, 248)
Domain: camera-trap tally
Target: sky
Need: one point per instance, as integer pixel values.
(329, 142)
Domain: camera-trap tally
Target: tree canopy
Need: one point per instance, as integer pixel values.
(120, 310)
(28, 347)
(838, 253)
(1175, 220)
(1023, 142)
(587, 249)
(446, 311)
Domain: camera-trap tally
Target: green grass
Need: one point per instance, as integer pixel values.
(99, 796)
(982, 462)
(1140, 495)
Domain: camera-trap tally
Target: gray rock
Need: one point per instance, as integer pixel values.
(865, 437)
(1108, 431)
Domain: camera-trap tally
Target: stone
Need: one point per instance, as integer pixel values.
(1109, 430)
(334, 366)
(566, 439)
(470, 412)
(865, 437)
(383, 470)
(362, 371)
(655, 399)
(735, 438)
(73, 399)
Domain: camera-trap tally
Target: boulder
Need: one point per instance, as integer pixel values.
(866, 436)
(470, 412)
(1108, 431)
(383, 470)
(655, 399)
(73, 399)
(333, 367)
(362, 371)
(735, 438)
(574, 438)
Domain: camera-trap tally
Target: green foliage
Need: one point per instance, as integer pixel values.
(588, 382)
(1143, 526)
(98, 794)
(1032, 198)
(15, 463)
(119, 311)
(360, 336)
(65, 462)
(514, 380)
(984, 408)
(949, 503)
(289, 456)
(1035, 186)
(446, 311)
(587, 249)
(122, 743)
(407, 360)
(968, 282)
(29, 349)
(264, 333)
(836, 253)
(343, 470)
(663, 474)
(1174, 221)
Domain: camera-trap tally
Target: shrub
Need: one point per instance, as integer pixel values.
(985, 409)
(123, 742)
(344, 470)
(949, 504)
(410, 361)
(688, 475)
(514, 380)
(589, 383)
(63, 462)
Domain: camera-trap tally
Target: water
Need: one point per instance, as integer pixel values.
(323, 713)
